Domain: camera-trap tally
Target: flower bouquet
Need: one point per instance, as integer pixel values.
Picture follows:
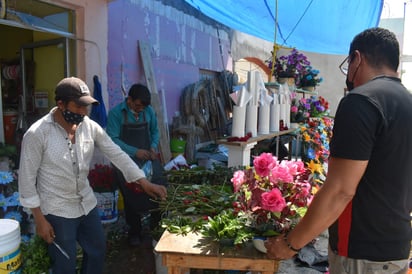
(272, 195)
(102, 178)
(316, 135)
(309, 78)
(291, 65)
(303, 108)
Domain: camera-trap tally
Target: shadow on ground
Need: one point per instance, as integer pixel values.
(124, 259)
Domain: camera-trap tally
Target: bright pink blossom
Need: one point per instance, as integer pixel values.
(264, 163)
(273, 200)
(295, 167)
(238, 179)
(281, 173)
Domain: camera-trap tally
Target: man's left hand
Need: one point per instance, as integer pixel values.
(153, 190)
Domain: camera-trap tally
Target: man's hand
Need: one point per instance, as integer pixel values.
(43, 228)
(144, 154)
(278, 249)
(153, 190)
(153, 154)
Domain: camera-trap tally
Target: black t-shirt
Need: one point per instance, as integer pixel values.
(374, 122)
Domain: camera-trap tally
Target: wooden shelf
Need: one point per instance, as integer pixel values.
(276, 85)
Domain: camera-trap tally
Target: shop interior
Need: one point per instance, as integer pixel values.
(37, 53)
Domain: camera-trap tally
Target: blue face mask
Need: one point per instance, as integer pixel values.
(71, 117)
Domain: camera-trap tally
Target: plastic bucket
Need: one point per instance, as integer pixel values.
(177, 146)
(107, 206)
(10, 256)
(10, 123)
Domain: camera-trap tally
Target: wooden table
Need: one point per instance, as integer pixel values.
(181, 253)
(239, 152)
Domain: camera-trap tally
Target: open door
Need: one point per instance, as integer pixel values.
(43, 65)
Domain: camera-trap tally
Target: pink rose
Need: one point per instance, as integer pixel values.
(281, 173)
(295, 167)
(294, 109)
(273, 201)
(264, 163)
(237, 180)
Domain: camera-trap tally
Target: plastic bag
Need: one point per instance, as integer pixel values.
(148, 170)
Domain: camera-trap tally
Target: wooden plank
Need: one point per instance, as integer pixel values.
(258, 138)
(199, 261)
(193, 251)
(164, 142)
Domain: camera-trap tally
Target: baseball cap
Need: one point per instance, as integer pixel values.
(74, 89)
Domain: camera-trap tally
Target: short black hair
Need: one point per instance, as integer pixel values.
(379, 46)
(141, 92)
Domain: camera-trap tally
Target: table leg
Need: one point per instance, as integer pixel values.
(240, 155)
(290, 149)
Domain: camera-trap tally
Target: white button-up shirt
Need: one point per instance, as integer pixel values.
(53, 172)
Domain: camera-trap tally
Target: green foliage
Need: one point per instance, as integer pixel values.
(182, 225)
(34, 256)
(218, 176)
(187, 207)
(228, 225)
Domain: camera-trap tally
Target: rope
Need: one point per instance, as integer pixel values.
(275, 46)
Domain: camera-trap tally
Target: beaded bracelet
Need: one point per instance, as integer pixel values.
(289, 245)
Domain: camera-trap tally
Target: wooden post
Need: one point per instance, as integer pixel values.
(164, 142)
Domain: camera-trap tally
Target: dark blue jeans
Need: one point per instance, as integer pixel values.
(85, 230)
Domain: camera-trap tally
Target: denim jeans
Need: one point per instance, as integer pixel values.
(88, 232)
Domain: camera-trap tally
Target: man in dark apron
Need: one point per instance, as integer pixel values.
(132, 125)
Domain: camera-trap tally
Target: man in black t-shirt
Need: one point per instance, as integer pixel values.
(366, 200)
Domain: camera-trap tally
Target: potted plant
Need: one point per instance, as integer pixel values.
(289, 66)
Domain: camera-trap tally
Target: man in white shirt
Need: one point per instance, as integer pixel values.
(55, 158)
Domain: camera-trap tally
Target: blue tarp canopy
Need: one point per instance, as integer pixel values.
(322, 26)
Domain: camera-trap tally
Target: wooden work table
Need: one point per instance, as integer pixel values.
(193, 251)
(239, 152)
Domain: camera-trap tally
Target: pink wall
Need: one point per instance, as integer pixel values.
(181, 45)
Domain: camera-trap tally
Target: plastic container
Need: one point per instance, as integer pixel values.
(10, 117)
(107, 206)
(10, 255)
(177, 146)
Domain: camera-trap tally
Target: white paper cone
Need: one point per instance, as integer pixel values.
(238, 121)
(282, 112)
(264, 119)
(251, 119)
(274, 117)
(287, 121)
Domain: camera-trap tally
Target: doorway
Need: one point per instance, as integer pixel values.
(38, 53)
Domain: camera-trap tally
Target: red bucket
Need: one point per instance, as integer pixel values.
(10, 123)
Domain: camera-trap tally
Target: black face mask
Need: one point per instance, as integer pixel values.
(349, 84)
(72, 118)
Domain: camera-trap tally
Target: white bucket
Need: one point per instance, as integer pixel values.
(107, 206)
(10, 256)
